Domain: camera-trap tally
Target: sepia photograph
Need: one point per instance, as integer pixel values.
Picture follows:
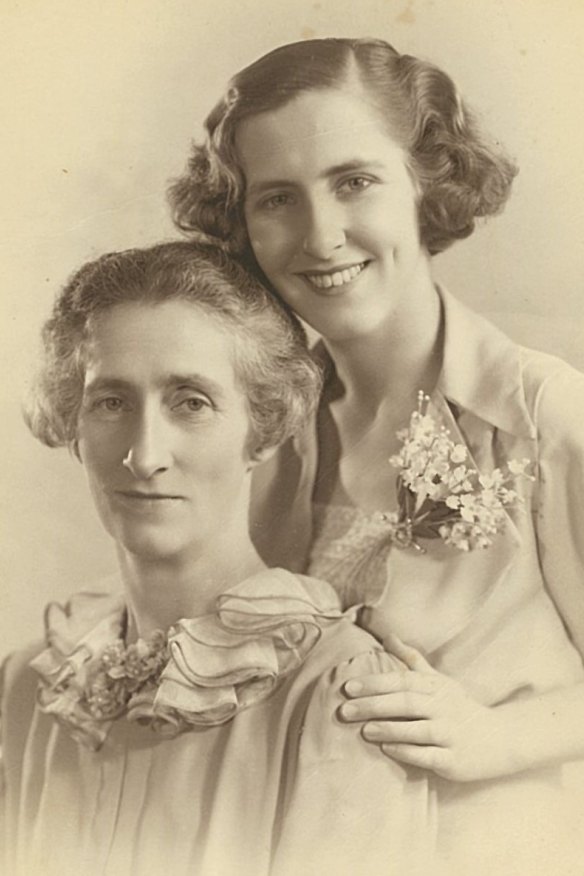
(292, 329)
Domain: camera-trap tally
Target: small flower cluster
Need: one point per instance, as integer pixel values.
(441, 495)
(121, 672)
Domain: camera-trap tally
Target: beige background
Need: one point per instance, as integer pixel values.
(98, 101)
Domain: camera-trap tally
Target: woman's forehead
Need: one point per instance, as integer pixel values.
(311, 114)
(171, 337)
(321, 131)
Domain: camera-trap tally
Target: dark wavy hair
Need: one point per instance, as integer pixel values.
(458, 174)
(280, 379)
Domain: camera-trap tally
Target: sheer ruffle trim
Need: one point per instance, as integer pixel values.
(214, 666)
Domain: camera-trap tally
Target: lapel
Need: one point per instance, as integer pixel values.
(466, 580)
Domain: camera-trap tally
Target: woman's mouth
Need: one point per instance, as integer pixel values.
(144, 496)
(334, 279)
(145, 501)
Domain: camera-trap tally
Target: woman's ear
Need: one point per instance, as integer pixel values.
(74, 449)
(261, 454)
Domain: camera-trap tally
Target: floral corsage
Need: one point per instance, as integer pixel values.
(441, 494)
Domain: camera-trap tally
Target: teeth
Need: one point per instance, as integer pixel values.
(338, 278)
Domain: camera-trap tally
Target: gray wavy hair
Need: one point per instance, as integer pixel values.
(279, 377)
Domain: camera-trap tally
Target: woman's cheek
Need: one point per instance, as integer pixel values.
(269, 246)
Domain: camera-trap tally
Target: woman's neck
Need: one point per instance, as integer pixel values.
(162, 591)
(402, 356)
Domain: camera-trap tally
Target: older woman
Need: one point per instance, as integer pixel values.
(184, 724)
(337, 168)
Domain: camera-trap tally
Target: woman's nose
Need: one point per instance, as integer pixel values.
(149, 452)
(324, 231)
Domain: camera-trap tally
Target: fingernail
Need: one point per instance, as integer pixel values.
(373, 731)
(353, 688)
(348, 710)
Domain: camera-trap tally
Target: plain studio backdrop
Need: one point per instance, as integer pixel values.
(99, 100)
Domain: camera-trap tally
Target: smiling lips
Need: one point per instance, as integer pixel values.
(334, 278)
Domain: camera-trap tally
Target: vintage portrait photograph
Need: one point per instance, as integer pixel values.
(292, 336)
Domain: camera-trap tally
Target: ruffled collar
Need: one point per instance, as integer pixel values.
(200, 673)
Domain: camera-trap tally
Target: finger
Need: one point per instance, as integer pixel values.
(392, 682)
(407, 705)
(413, 659)
(423, 733)
(426, 757)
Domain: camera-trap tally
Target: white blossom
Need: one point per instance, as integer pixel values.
(434, 469)
(459, 453)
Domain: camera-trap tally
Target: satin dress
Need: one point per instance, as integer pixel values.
(262, 780)
(507, 621)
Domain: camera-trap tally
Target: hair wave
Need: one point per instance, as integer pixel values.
(273, 365)
(459, 175)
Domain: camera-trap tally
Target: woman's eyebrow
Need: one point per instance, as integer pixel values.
(265, 185)
(100, 383)
(352, 165)
(192, 380)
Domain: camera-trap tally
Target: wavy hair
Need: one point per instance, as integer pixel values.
(459, 175)
(275, 370)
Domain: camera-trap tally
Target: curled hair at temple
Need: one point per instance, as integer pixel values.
(279, 378)
(458, 174)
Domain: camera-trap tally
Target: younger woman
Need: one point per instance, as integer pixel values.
(337, 168)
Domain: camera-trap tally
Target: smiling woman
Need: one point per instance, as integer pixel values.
(331, 214)
(439, 488)
(176, 725)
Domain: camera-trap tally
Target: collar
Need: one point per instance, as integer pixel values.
(199, 674)
(481, 369)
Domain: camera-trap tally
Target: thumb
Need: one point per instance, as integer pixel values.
(413, 658)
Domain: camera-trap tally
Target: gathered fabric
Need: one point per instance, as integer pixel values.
(245, 769)
(201, 673)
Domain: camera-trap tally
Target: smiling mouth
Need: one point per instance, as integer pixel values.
(334, 279)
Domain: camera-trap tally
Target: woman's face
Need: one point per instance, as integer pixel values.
(163, 430)
(331, 211)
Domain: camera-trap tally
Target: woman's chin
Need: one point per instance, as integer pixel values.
(153, 544)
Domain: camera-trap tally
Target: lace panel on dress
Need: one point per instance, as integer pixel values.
(349, 550)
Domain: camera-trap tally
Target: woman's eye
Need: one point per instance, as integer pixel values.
(110, 405)
(273, 202)
(356, 184)
(193, 404)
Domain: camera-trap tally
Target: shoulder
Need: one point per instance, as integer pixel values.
(70, 620)
(325, 737)
(554, 394)
(363, 655)
(65, 626)
(19, 685)
(17, 676)
(345, 651)
(301, 615)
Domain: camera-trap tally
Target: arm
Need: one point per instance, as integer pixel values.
(348, 810)
(447, 730)
(559, 521)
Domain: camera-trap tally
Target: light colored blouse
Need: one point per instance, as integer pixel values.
(506, 621)
(257, 775)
